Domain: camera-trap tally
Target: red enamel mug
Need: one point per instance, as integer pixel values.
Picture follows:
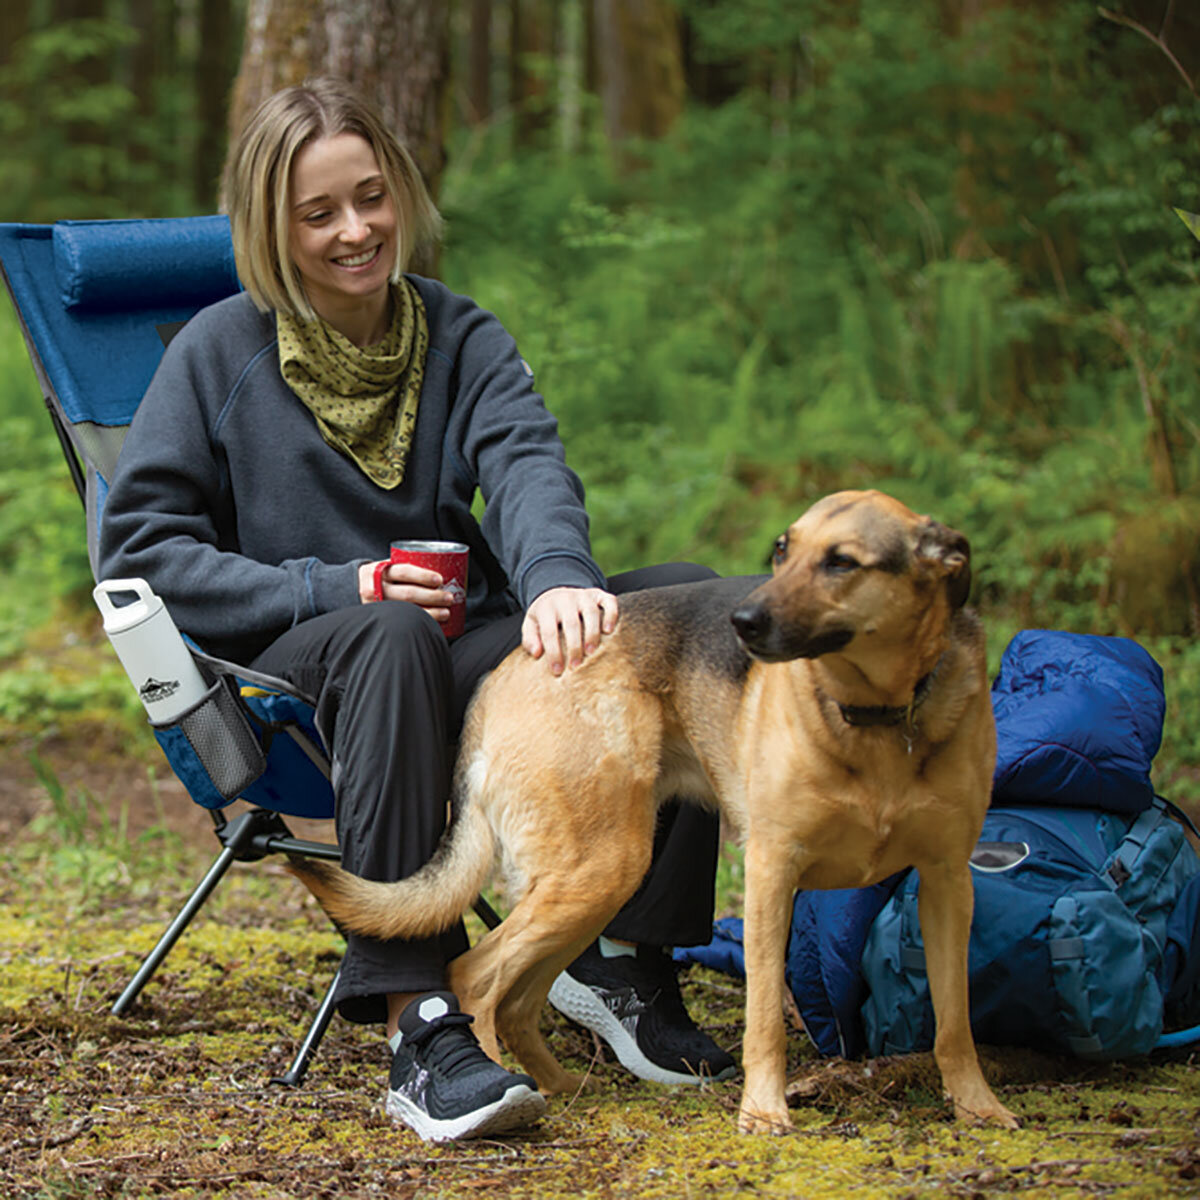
(449, 560)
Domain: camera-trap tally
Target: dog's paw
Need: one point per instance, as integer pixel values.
(987, 1113)
(567, 1083)
(755, 1120)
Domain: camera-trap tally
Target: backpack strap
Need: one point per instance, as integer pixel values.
(912, 947)
(1069, 954)
(1177, 813)
(1119, 868)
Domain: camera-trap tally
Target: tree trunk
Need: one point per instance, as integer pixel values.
(591, 64)
(479, 62)
(531, 64)
(14, 25)
(144, 59)
(213, 76)
(709, 79)
(641, 67)
(394, 52)
(89, 168)
(572, 74)
(91, 69)
(151, 139)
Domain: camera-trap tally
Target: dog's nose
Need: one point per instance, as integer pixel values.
(751, 622)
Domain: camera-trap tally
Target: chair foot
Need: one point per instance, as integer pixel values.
(294, 1076)
(171, 935)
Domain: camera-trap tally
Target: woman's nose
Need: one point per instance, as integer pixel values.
(354, 228)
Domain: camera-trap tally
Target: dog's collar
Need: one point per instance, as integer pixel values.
(864, 715)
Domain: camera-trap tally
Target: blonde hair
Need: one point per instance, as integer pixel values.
(257, 179)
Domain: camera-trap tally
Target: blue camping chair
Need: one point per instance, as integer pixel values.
(97, 302)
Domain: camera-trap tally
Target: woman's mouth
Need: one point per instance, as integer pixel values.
(351, 261)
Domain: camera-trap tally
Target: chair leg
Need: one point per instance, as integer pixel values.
(249, 836)
(294, 1076)
(486, 913)
(194, 903)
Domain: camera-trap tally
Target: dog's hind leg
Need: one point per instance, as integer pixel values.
(944, 904)
(504, 980)
(567, 773)
(519, 1014)
(467, 976)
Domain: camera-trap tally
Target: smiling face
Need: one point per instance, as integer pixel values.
(342, 234)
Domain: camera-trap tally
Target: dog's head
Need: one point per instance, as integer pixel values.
(855, 566)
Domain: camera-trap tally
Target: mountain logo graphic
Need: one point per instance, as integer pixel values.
(154, 690)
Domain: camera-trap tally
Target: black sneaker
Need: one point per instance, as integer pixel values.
(633, 1003)
(442, 1084)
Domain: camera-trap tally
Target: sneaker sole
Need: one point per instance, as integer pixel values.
(579, 1003)
(518, 1107)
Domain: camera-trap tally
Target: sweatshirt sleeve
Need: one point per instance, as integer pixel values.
(534, 517)
(169, 515)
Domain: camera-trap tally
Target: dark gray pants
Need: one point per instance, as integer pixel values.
(391, 693)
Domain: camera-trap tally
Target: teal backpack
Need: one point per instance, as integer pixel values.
(1082, 922)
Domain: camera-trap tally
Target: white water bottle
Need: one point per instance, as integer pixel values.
(151, 649)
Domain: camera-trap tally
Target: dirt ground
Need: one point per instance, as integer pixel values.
(176, 1099)
(117, 783)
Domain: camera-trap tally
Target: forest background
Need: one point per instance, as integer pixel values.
(755, 251)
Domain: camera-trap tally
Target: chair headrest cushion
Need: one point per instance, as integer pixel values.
(122, 265)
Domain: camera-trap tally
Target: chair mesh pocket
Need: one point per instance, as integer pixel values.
(212, 747)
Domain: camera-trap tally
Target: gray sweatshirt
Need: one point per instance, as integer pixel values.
(229, 503)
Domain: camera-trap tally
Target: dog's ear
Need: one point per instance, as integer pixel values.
(951, 553)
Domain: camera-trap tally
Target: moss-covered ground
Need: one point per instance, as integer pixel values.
(176, 1099)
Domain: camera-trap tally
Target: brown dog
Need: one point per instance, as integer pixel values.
(841, 721)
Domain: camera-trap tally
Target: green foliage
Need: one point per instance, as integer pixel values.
(74, 141)
(61, 159)
(78, 845)
(51, 674)
(41, 529)
(1177, 767)
(43, 552)
(40, 696)
(914, 251)
(938, 262)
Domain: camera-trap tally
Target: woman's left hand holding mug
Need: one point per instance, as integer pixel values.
(406, 581)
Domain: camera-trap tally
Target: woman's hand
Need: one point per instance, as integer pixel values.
(407, 581)
(581, 615)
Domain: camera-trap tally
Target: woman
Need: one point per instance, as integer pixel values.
(290, 434)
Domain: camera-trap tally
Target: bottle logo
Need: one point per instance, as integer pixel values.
(154, 690)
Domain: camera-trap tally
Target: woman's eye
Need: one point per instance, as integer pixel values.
(315, 218)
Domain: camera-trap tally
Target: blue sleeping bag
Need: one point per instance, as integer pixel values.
(1079, 721)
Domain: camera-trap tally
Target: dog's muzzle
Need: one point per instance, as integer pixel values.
(770, 641)
(753, 625)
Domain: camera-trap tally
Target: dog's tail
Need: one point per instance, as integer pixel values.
(426, 903)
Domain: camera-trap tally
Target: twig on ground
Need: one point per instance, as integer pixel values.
(38, 1142)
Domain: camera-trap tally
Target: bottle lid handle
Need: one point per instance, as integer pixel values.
(103, 592)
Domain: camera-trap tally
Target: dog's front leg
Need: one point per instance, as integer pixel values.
(764, 1045)
(945, 901)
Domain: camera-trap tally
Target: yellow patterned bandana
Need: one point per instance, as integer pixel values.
(364, 398)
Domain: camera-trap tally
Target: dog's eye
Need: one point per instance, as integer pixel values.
(779, 550)
(839, 563)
